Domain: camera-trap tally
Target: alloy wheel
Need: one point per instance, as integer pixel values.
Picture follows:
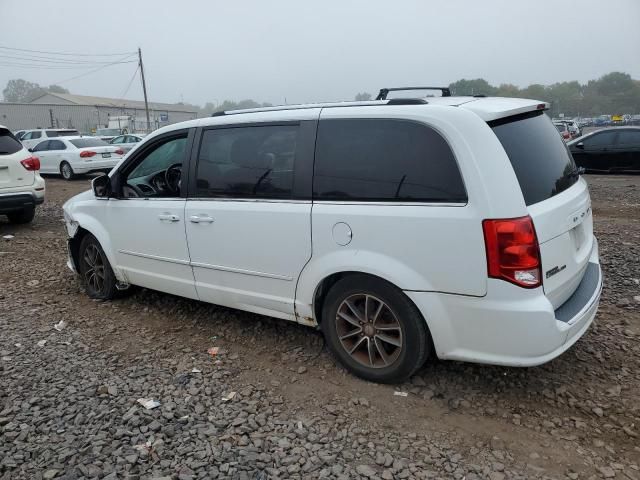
(94, 273)
(369, 330)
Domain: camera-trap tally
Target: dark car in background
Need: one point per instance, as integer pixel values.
(608, 150)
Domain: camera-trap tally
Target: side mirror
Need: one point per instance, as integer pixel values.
(30, 149)
(580, 145)
(101, 186)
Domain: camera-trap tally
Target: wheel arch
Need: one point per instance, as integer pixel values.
(87, 225)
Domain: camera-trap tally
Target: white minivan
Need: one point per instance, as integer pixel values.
(403, 227)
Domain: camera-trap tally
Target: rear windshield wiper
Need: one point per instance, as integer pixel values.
(576, 172)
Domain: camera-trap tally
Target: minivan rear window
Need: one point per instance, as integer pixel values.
(8, 143)
(542, 163)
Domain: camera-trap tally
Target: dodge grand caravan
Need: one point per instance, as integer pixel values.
(403, 227)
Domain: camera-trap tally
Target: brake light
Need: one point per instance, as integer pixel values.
(87, 153)
(119, 152)
(513, 253)
(32, 163)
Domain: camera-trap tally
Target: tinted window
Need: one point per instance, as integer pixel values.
(67, 133)
(52, 133)
(8, 143)
(598, 140)
(247, 162)
(370, 159)
(41, 147)
(542, 163)
(56, 145)
(629, 138)
(88, 142)
(160, 158)
(35, 135)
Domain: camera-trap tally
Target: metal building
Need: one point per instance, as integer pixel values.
(84, 113)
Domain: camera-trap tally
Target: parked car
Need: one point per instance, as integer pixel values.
(21, 186)
(635, 120)
(71, 156)
(563, 128)
(125, 142)
(431, 232)
(602, 121)
(574, 128)
(31, 138)
(18, 134)
(107, 134)
(608, 150)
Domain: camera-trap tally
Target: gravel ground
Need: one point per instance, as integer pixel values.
(68, 399)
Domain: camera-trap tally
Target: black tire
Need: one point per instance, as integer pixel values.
(66, 171)
(95, 271)
(22, 216)
(391, 363)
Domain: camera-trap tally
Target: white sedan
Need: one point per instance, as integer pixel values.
(72, 156)
(126, 142)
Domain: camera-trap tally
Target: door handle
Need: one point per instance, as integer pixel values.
(200, 219)
(169, 217)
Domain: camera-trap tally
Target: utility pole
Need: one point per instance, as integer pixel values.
(144, 90)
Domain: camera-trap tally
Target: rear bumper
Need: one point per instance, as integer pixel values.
(510, 326)
(15, 201)
(95, 165)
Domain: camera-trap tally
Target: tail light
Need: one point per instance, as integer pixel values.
(87, 153)
(32, 163)
(512, 251)
(119, 151)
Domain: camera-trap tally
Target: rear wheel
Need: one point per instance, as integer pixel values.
(22, 216)
(66, 171)
(374, 329)
(97, 275)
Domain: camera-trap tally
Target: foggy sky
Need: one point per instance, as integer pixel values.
(301, 51)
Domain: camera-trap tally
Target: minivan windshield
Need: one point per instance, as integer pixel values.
(541, 161)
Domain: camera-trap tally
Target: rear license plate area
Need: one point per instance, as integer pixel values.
(106, 155)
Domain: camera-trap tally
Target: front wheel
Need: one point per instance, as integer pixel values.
(66, 171)
(374, 329)
(97, 275)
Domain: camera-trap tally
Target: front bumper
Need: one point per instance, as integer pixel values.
(510, 326)
(15, 201)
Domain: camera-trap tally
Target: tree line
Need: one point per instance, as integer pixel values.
(613, 93)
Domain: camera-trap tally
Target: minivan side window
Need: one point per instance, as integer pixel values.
(247, 162)
(387, 160)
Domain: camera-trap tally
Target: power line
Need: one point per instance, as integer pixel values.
(70, 54)
(63, 61)
(58, 67)
(126, 90)
(89, 73)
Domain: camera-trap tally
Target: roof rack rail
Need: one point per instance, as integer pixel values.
(382, 95)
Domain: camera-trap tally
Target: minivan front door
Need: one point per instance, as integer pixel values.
(249, 232)
(147, 223)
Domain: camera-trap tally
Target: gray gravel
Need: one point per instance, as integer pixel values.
(69, 409)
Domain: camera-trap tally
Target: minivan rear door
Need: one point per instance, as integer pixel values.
(556, 197)
(12, 173)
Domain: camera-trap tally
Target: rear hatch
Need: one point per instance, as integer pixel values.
(556, 197)
(12, 173)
